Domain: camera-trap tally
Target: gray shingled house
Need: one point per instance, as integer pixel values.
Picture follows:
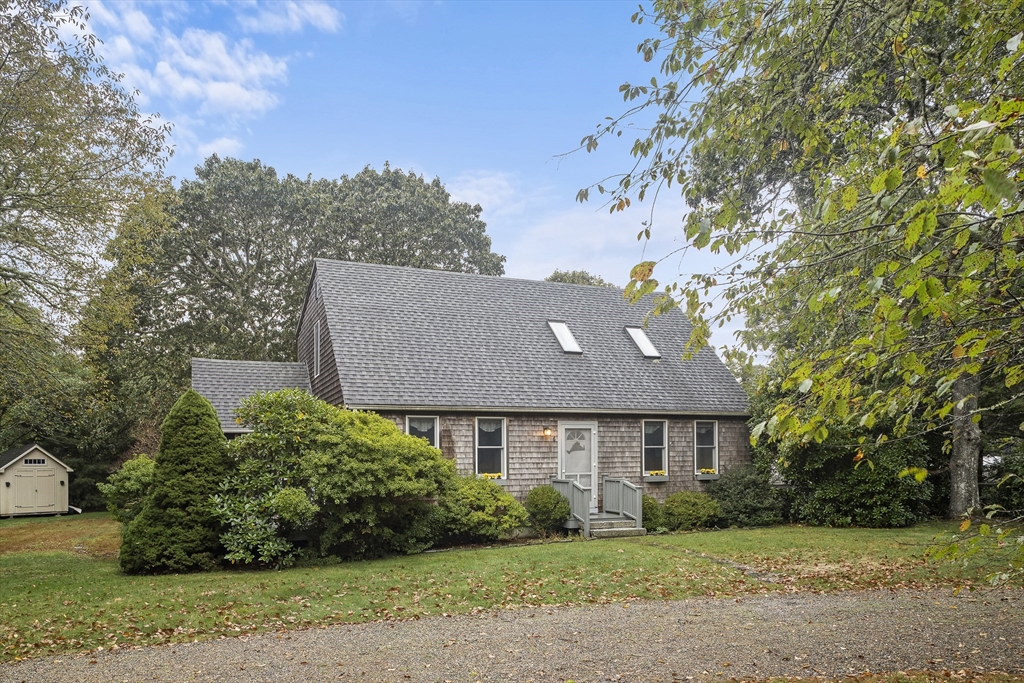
(521, 381)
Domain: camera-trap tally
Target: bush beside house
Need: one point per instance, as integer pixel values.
(689, 510)
(175, 530)
(746, 498)
(476, 510)
(548, 509)
(126, 489)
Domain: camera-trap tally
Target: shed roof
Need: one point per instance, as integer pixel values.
(225, 383)
(414, 338)
(15, 453)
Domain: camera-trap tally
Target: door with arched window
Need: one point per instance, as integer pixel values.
(577, 455)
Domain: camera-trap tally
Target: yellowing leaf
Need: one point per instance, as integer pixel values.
(965, 525)
(958, 352)
(642, 271)
(922, 172)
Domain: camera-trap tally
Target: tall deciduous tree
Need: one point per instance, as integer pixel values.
(229, 255)
(578, 277)
(862, 163)
(74, 150)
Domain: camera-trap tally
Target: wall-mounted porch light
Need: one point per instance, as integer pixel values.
(547, 432)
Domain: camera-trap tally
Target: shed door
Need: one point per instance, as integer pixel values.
(34, 491)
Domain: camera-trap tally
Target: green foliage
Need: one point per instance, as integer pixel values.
(746, 498)
(868, 158)
(350, 482)
(690, 510)
(1006, 487)
(548, 509)
(176, 531)
(578, 277)
(835, 485)
(477, 510)
(126, 488)
(653, 514)
(75, 150)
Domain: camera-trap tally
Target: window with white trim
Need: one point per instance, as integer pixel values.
(655, 448)
(424, 427)
(490, 447)
(35, 461)
(316, 349)
(705, 456)
(564, 336)
(643, 342)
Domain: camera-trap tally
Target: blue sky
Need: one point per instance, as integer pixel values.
(483, 95)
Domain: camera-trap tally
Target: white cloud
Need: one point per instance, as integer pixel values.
(492, 190)
(223, 146)
(292, 17)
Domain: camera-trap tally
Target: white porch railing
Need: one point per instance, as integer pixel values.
(624, 498)
(579, 501)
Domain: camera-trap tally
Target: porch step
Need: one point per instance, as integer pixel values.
(617, 532)
(622, 523)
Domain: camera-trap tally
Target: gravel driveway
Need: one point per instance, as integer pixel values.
(798, 635)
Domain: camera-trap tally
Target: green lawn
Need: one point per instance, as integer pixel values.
(62, 590)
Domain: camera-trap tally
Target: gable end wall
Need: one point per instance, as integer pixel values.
(328, 385)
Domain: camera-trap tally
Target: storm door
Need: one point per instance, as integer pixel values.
(577, 455)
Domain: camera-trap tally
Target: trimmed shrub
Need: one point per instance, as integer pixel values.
(653, 514)
(746, 498)
(176, 531)
(126, 488)
(350, 483)
(548, 509)
(841, 493)
(690, 510)
(476, 510)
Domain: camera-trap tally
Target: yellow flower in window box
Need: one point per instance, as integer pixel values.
(707, 470)
(491, 475)
(656, 473)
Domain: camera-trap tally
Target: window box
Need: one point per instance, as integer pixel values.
(707, 477)
(655, 478)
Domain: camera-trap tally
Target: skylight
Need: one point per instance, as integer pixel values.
(564, 336)
(642, 342)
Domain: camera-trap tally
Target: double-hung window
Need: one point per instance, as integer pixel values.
(423, 427)
(655, 448)
(490, 447)
(705, 460)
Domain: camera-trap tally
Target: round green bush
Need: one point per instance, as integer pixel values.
(653, 515)
(176, 530)
(746, 498)
(476, 510)
(126, 488)
(690, 510)
(548, 509)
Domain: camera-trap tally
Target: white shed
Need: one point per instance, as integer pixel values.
(32, 482)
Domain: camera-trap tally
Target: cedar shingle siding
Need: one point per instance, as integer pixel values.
(533, 458)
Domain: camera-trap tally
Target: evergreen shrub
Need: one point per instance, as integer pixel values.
(690, 510)
(653, 514)
(176, 530)
(349, 483)
(477, 510)
(126, 488)
(746, 498)
(548, 509)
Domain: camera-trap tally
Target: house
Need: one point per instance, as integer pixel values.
(32, 482)
(520, 381)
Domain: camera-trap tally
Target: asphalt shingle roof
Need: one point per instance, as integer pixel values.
(407, 337)
(224, 383)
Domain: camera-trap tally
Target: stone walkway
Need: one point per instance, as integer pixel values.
(798, 635)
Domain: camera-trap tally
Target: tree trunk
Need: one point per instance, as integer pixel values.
(963, 465)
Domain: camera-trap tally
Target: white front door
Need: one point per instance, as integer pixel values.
(577, 455)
